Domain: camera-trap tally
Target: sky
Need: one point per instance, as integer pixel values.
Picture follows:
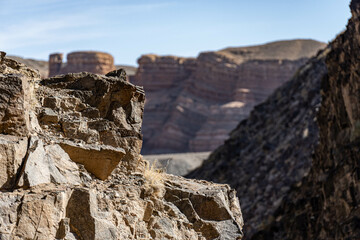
(129, 28)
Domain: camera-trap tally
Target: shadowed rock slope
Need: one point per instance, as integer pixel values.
(326, 203)
(192, 104)
(295, 160)
(272, 148)
(70, 166)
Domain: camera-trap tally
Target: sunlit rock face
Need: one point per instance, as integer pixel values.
(193, 104)
(86, 61)
(70, 166)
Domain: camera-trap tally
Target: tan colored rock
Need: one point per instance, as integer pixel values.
(39, 65)
(81, 176)
(55, 64)
(116, 210)
(87, 61)
(99, 160)
(94, 109)
(16, 104)
(47, 164)
(12, 152)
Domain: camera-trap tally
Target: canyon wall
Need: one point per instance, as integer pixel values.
(325, 204)
(192, 104)
(87, 61)
(295, 160)
(271, 149)
(70, 166)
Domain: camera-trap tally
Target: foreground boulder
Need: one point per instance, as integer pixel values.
(70, 166)
(298, 153)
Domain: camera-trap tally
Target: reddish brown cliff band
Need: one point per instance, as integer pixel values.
(88, 61)
(193, 103)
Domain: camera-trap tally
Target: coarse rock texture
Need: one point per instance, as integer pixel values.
(192, 104)
(302, 180)
(40, 65)
(272, 148)
(326, 203)
(70, 166)
(86, 61)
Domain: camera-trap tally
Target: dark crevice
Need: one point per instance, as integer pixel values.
(21, 169)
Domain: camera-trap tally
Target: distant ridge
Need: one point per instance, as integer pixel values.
(286, 49)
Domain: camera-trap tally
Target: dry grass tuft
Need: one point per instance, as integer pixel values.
(154, 180)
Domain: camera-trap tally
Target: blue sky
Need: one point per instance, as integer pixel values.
(128, 29)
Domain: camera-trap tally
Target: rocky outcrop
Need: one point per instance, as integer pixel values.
(87, 61)
(40, 65)
(43, 66)
(192, 104)
(272, 148)
(298, 152)
(325, 205)
(70, 166)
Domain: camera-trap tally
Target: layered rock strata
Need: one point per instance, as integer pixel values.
(70, 166)
(298, 152)
(87, 61)
(43, 66)
(272, 148)
(192, 104)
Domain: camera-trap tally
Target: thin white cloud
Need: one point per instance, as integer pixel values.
(73, 26)
(37, 32)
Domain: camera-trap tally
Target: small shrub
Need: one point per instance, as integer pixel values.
(154, 179)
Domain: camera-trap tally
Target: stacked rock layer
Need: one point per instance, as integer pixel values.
(192, 104)
(70, 166)
(87, 61)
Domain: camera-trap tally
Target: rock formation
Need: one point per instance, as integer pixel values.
(192, 104)
(43, 66)
(325, 205)
(90, 61)
(40, 65)
(70, 166)
(295, 160)
(271, 149)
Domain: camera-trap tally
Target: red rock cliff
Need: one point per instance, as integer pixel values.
(192, 104)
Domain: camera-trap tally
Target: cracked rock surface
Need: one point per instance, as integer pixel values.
(70, 166)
